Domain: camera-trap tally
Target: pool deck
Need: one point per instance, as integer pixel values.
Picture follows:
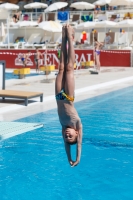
(87, 85)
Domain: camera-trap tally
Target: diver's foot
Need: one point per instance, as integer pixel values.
(70, 32)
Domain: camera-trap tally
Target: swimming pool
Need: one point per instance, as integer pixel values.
(9, 75)
(34, 166)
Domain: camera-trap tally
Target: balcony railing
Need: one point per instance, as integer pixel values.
(76, 16)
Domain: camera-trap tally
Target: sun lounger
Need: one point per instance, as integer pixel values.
(4, 42)
(57, 37)
(20, 95)
(34, 38)
(57, 40)
(52, 45)
(102, 18)
(77, 37)
(122, 41)
(51, 17)
(75, 20)
(3, 45)
(112, 41)
(11, 45)
(45, 40)
(43, 46)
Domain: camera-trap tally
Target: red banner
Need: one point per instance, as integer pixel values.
(108, 58)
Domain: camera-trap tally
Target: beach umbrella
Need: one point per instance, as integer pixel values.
(85, 25)
(9, 6)
(82, 5)
(119, 2)
(113, 2)
(126, 23)
(105, 23)
(99, 24)
(35, 5)
(101, 2)
(50, 26)
(26, 23)
(130, 2)
(56, 6)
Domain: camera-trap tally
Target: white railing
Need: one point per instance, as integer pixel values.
(99, 16)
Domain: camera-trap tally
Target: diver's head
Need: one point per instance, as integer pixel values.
(70, 136)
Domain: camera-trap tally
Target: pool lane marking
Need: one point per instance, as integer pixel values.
(77, 92)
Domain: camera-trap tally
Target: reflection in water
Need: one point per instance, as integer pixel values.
(105, 143)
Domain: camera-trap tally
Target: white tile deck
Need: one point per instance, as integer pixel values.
(86, 85)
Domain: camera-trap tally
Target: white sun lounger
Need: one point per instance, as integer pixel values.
(122, 41)
(57, 40)
(34, 38)
(75, 20)
(77, 36)
(4, 42)
(45, 40)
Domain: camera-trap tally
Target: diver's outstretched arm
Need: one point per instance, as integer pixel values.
(79, 146)
(68, 150)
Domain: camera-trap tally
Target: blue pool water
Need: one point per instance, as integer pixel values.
(9, 76)
(33, 166)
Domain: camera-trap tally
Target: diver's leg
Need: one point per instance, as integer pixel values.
(69, 68)
(25, 62)
(38, 63)
(59, 83)
(95, 60)
(99, 64)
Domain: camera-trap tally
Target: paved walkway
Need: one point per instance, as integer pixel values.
(87, 86)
